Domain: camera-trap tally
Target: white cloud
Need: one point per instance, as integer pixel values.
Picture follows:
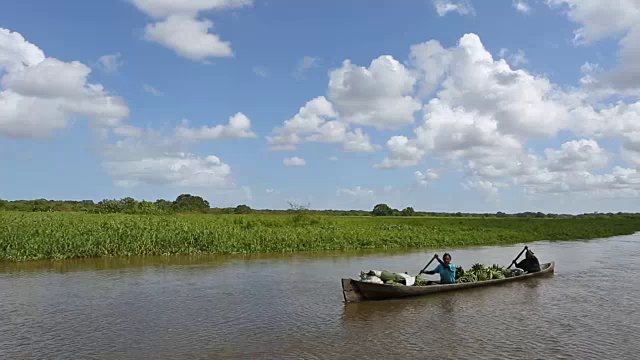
(28, 117)
(425, 178)
(620, 183)
(151, 159)
(357, 141)
(577, 155)
(599, 19)
(183, 31)
(403, 153)
(16, 52)
(484, 110)
(165, 8)
(294, 161)
(239, 127)
(355, 192)
(462, 7)
(378, 96)
(110, 63)
(41, 94)
(188, 37)
(151, 90)
(315, 122)
(333, 158)
(602, 19)
(184, 170)
(484, 113)
(431, 62)
(522, 6)
(515, 60)
(488, 189)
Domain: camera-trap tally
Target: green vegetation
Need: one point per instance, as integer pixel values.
(186, 203)
(59, 235)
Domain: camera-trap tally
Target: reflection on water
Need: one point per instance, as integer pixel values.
(290, 306)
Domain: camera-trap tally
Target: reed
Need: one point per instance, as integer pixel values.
(31, 236)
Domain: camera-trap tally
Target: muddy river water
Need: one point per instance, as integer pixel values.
(291, 307)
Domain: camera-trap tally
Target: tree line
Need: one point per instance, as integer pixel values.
(187, 203)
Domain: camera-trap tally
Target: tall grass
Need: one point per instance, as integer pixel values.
(30, 236)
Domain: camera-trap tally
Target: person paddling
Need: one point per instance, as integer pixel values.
(530, 263)
(446, 269)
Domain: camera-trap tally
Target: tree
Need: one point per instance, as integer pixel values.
(382, 210)
(242, 209)
(408, 211)
(188, 202)
(164, 205)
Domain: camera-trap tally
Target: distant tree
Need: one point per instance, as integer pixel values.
(129, 204)
(162, 204)
(408, 211)
(188, 202)
(382, 210)
(242, 209)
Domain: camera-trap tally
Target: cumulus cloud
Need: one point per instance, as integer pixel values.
(152, 159)
(425, 178)
(182, 30)
(164, 8)
(483, 112)
(316, 122)
(16, 52)
(488, 189)
(480, 115)
(601, 19)
(188, 37)
(378, 96)
(515, 60)
(294, 161)
(239, 127)
(40, 94)
(184, 170)
(577, 155)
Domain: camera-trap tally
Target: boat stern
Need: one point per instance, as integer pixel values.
(350, 292)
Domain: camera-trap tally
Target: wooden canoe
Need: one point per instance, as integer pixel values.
(356, 290)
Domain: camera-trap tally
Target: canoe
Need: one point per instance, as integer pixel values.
(356, 290)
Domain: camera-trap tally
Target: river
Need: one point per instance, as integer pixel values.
(291, 307)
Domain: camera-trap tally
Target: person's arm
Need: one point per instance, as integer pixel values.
(434, 271)
(523, 262)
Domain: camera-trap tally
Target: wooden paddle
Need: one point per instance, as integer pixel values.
(429, 263)
(517, 257)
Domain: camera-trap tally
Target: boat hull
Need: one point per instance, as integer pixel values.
(356, 291)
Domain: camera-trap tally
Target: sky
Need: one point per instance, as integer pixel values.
(442, 105)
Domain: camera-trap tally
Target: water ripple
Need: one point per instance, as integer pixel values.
(292, 309)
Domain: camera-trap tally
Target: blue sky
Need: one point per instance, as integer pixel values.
(443, 105)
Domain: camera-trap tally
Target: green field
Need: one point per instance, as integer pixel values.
(31, 236)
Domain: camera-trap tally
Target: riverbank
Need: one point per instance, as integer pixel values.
(34, 236)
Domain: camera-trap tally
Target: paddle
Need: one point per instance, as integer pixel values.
(429, 263)
(517, 257)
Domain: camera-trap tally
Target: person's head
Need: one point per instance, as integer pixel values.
(529, 254)
(446, 258)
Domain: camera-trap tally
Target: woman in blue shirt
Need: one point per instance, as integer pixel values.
(446, 269)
